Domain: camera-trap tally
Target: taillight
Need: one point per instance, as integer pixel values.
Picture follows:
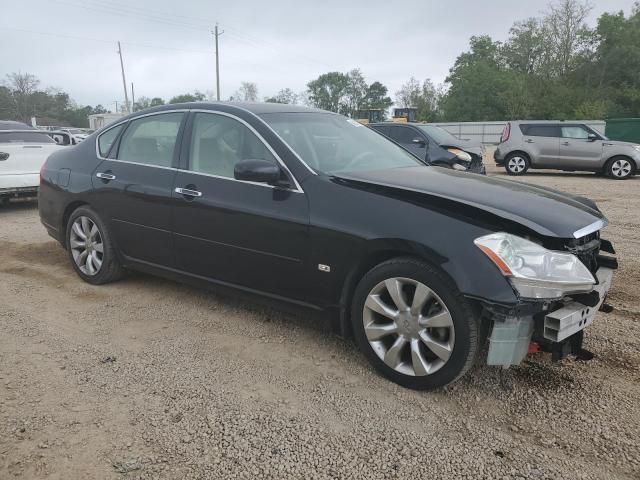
(506, 131)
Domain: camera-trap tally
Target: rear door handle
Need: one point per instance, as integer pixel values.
(188, 192)
(105, 176)
(528, 140)
(566, 144)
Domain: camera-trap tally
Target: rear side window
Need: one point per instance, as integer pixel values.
(151, 140)
(107, 138)
(403, 134)
(533, 130)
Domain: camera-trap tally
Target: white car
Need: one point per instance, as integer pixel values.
(23, 151)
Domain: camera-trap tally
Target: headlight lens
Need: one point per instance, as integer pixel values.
(461, 154)
(459, 166)
(534, 271)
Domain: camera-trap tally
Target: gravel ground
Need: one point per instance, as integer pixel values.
(146, 378)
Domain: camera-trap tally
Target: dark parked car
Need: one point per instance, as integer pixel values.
(308, 208)
(434, 145)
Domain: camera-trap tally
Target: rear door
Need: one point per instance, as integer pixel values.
(542, 142)
(578, 150)
(132, 188)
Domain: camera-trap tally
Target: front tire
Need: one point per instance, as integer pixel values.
(414, 325)
(90, 248)
(620, 168)
(516, 164)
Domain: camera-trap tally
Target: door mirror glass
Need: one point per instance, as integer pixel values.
(262, 171)
(592, 137)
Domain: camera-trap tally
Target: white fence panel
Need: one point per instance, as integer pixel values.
(489, 132)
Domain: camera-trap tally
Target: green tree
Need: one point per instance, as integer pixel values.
(377, 97)
(286, 95)
(248, 92)
(328, 91)
(188, 97)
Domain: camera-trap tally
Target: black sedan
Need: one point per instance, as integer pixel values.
(434, 145)
(310, 209)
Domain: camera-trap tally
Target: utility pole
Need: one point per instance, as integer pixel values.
(216, 33)
(124, 81)
(133, 98)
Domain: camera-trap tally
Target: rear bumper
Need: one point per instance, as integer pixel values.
(18, 192)
(15, 182)
(498, 156)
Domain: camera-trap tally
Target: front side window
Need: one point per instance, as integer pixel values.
(107, 138)
(219, 142)
(332, 144)
(151, 140)
(575, 132)
(403, 134)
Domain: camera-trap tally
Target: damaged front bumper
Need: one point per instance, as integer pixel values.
(555, 327)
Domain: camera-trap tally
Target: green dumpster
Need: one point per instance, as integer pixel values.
(625, 129)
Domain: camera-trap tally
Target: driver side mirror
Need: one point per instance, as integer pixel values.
(419, 142)
(262, 171)
(592, 137)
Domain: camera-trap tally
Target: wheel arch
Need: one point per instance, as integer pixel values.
(634, 164)
(380, 251)
(69, 209)
(518, 152)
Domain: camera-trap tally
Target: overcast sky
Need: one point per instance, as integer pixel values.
(168, 45)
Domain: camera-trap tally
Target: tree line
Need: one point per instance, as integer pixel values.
(553, 66)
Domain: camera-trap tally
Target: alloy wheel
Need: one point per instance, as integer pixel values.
(86, 245)
(408, 326)
(621, 168)
(517, 164)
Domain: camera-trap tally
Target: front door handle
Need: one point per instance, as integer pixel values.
(566, 144)
(105, 176)
(528, 140)
(187, 192)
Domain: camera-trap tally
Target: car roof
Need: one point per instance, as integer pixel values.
(254, 107)
(12, 125)
(546, 122)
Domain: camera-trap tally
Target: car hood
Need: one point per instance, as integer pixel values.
(546, 211)
(619, 143)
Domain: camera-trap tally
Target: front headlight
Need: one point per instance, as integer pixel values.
(637, 147)
(461, 154)
(534, 271)
(459, 166)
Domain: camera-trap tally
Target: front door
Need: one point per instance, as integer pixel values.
(405, 136)
(132, 188)
(577, 149)
(247, 234)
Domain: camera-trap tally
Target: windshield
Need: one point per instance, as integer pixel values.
(333, 144)
(26, 136)
(440, 135)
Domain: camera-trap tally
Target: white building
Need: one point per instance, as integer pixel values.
(100, 120)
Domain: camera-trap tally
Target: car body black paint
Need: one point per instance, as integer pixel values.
(270, 240)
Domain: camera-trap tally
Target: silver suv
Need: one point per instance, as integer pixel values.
(564, 146)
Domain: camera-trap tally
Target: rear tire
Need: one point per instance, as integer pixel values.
(91, 249)
(516, 164)
(415, 342)
(620, 168)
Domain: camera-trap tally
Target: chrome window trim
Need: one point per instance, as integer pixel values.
(597, 225)
(141, 164)
(259, 184)
(298, 188)
(130, 120)
(283, 141)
